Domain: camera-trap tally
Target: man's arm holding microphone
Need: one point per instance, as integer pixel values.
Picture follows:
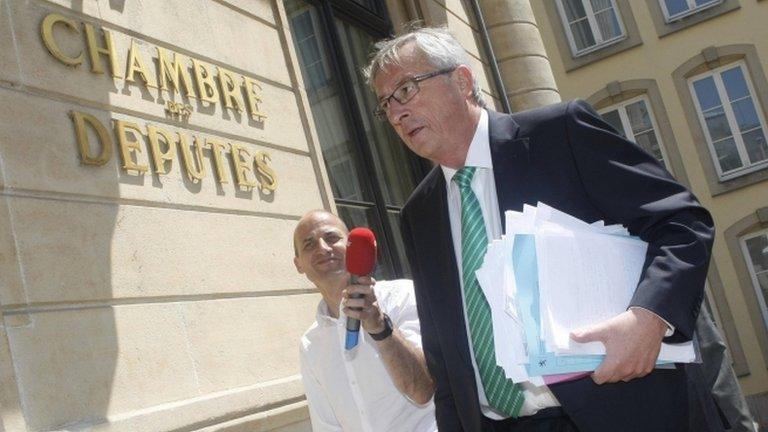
(404, 362)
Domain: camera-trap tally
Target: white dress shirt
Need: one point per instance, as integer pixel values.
(484, 186)
(352, 390)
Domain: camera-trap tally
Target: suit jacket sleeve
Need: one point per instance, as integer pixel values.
(629, 186)
(445, 408)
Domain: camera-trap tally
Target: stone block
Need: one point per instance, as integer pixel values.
(506, 11)
(9, 68)
(516, 39)
(75, 251)
(259, 8)
(121, 367)
(530, 72)
(241, 341)
(83, 365)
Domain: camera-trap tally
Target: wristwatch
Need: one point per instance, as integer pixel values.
(384, 333)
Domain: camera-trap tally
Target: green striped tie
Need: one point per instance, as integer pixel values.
(503, 395)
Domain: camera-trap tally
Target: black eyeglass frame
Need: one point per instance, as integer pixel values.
(381, 113)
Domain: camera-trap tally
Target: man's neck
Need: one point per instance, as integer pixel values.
(457, 158)
(331, 292)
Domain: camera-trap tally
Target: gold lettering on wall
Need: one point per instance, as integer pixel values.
(217, 149)
(243, 166)
(176, 74)
(136, 64)
(95, 51)
(252, 168)
(172, 74)
(193, 165)
(47, 32)
(83, 144)
(206, 87)
(129, 145)
(160, 157)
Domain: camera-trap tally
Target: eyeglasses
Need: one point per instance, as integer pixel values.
(405, 92)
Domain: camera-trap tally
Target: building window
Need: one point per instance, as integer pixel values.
(678, 9)
(590, 24)
(371, 172)
(635, 121)
(755, 249)
(733, 123)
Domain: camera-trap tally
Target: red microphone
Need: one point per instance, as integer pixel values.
(360, 261)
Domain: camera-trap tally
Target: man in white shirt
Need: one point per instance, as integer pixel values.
(381, 385)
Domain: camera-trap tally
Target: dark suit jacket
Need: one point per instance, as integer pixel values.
(566, 156)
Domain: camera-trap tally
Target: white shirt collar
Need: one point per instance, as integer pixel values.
(479, 152)
(323, 315)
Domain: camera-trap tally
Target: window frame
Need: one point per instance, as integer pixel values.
(752, 274)
(622, 109)
(590, 16)
(715, 73)
(376, 23)
(692, 9)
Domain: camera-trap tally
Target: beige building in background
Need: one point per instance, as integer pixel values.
(156, 155)
(687, 80)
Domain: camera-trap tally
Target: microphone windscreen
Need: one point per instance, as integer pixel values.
(361, 252)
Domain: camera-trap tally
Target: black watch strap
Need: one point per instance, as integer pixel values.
(384, 333)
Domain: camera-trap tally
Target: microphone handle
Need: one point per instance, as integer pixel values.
(353, 324)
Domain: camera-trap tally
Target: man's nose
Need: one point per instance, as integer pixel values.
(397, 112)
(324, 245)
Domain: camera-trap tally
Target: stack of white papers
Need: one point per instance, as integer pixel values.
(551, 274)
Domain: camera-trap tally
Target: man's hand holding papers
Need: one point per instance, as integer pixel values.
(559, 290)
(632, 342)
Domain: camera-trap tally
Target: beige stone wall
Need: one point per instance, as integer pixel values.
(143, 301)
(656, 58)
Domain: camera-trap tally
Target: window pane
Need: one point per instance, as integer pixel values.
(758, 252)
(362, 217)
(727, 155)
(391, 157)
(582, 35)
(717, 124)
(608, 23)
(746, 116)
(647, 140)
(706, 2)
(639, 117)
(599, 5)
(675, 7)
(735, 85)
(613, 118)
(706, 92)
(756, 146)
(328, 110)
(574, 9)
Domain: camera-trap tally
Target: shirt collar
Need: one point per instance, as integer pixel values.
(323, 315)
(479, 152)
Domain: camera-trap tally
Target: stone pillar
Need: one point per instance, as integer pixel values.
(520, 53)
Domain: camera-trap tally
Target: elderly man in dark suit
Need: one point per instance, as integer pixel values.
(563, 155)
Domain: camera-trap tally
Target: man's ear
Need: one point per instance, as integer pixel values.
(465, 78)
(298, 265)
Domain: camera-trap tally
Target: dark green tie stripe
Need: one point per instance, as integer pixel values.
(502, 394)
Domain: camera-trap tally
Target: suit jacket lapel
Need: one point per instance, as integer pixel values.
(439, 256)
(510, 152)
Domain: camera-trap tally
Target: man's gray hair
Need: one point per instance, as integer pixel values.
(439, 47)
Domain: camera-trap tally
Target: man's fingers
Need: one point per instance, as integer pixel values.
(588, 334)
